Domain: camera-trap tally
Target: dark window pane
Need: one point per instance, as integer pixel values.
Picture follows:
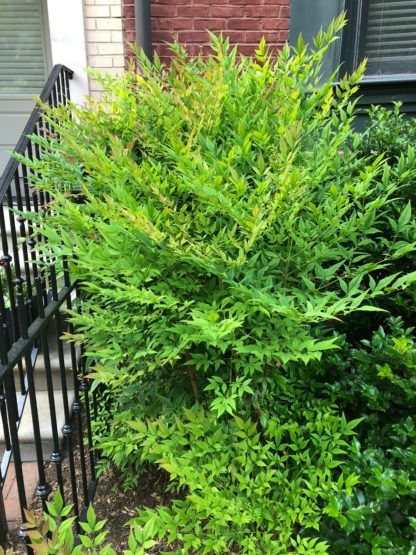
(390, 44)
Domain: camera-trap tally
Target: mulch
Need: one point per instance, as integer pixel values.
(111, 502)
(117, 507)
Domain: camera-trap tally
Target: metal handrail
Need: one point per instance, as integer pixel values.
(31, 327)
(30, 126)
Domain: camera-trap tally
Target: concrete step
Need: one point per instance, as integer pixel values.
(40, 368)
(39, 372)
(25, 432)
(27, 445)
(26, 436)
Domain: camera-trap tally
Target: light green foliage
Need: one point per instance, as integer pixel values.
(53, 533)
(230, 469)
(230, 224)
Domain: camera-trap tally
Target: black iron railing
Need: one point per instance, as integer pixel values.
(35, 362)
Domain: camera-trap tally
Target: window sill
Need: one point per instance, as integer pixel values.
(389, 79)
(386, 89)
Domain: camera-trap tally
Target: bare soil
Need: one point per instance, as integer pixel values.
(118, 507)
(111, 503)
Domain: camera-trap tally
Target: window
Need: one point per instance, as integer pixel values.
(384, 31)
(22, 47)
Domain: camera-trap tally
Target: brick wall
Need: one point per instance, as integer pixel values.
(104, 38)
(243, 21)
(128, 25)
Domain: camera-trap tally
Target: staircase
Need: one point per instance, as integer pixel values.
(44, 392)
(25, 429)
(25, 432)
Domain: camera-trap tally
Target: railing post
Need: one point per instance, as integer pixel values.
(26, 311)
(3, 522)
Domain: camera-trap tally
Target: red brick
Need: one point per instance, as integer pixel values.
(163, 50)
(225, 11)
(163, 36)
(262, 11)
(160, 10)
(196, 2)
(128, 11)
(177, 23)
(241, 3)
(11, 498)
(284, 12)
(210, 23)
(129, 22)
(194, 49)
(193, 11)
(129, 29)
(244, 23)
(247, 49)
(254, 37)
(130, 36)
(274, 24)
(236, 36)
(193, 36)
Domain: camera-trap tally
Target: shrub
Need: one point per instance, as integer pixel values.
(377, 382)
(388, 132)
(53, 533)
(232, 236)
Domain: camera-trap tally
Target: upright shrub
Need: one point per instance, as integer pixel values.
(389, 132)
(229, 225)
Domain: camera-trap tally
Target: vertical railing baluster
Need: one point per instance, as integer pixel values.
(68, 427)
(28, 206)
(85, 387)
(66, 82)
(13, 233)
(6, 344)
(24, 252)
(37, 239)
(13, 417)
(53, 96)
(59, 89)
(43, 489)
(77, 406)
(57, 455)
(5, 339)
(3, 516)
(5, 262)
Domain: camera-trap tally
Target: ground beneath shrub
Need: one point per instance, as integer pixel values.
(117, 507)
(110, 501)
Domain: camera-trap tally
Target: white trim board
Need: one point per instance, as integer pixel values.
(68, 47)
